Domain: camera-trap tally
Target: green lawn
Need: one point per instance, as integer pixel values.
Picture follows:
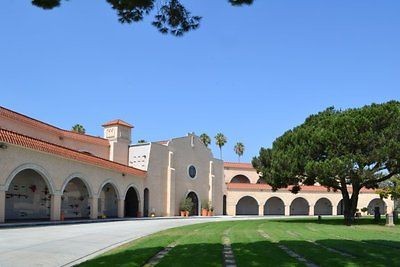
(325, 244)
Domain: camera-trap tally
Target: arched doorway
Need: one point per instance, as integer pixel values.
(247, 206)
(28, 197)
(224, 205)
(131, 203)
(340, 208)
(299, 206)
(75, 200)
(195, 200)
(146, 203)
(240, 179)
(377, 204)
(323, 207)
(108, 202)
(274, 206)
(261, 181)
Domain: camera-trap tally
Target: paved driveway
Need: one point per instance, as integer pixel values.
(66, 245)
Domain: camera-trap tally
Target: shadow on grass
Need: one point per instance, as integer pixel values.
(264, 253)
(332, 220)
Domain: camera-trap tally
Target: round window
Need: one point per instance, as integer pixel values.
(192, 171)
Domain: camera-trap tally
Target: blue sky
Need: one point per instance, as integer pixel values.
(251, 73)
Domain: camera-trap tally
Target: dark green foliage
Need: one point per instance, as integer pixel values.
(46, 4)
(342, 150)
(171, 17)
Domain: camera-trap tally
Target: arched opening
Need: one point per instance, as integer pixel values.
(195, 200)
(108, 202)
(75, 200)
(247, 206)
(261, 181)
(131, 203)
(274, 206)
(340, 208)
(299, 206)
(377, 204)
(240, 179)
(323, 207)
(146, 202)
(28, 197)
(224, 205)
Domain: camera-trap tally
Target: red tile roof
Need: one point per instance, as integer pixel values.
(237, 165)
(264, 187)
(6, 113)
(117, 122)
(42, 146)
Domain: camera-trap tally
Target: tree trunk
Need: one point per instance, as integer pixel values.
(350, 206)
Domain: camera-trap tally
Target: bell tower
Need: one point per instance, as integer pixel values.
(118, 134)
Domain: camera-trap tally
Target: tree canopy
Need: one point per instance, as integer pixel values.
(343, 150)
(220, 141)
(205, 139)
(239, 149)
(78, 128)
(171, 16)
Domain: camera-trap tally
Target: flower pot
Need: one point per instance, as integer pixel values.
(186, 213)
(209, 213)
(183, 213)
(204, 212)
(62, 217)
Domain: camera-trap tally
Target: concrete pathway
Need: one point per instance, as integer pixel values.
(67, 245)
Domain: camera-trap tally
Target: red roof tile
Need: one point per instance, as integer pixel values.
(237, 165)
(6, 113)
(117, 122)
(258, 187)
(42, 146)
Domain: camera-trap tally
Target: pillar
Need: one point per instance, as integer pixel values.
(121, 208)
(210, 182)
(55, 207)
(287, 210)
(311, 210)
(260, 210)
(2, 205)
(334, 210)
(94, 208)
(170, 205)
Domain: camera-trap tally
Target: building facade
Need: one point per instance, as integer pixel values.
(47, 173)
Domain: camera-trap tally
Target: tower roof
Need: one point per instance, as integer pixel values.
(117, 122)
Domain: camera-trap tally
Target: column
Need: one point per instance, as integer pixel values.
(94, 208)
(121, 208)
(260, 210)
(2, 205)
(311, 210)
(170, 204)
(55, 207)
(334, 210)
(287, 210)
(210, 182)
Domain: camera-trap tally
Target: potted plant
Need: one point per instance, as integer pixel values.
(204, 208)
(188, 206)
(182, 207)
(210, 210)
(364, 210)
(358, 213)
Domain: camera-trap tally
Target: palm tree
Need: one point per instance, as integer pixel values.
(220, 141)
(239, 149)
(78, 129)
(205, 139)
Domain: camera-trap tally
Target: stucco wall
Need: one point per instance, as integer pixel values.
(58, 171)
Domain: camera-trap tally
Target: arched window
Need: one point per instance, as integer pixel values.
(241, 179)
